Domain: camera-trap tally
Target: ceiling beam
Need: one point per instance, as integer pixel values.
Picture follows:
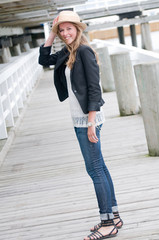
(31, 12)
(124, 22)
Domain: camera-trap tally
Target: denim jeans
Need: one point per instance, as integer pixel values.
(99, 173)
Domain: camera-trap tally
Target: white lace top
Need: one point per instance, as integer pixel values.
(78, 117)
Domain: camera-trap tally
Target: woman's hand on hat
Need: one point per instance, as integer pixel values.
(55, 20)
(52, 35)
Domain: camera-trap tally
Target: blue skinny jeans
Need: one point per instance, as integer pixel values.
(98, 172)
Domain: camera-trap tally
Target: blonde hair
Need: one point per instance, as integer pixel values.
(72, 48)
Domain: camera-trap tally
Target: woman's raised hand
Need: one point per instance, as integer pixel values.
(55, 21)
(52, 35)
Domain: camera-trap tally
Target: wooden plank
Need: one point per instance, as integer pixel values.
(45, 192)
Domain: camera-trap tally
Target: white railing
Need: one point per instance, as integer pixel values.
(17, 80)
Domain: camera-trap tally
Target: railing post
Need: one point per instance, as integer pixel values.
(147, 76)
(125, 84)
(3, 128)
(107, 78)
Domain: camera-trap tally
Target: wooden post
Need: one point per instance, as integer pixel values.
(125, 84)
(146, 36)
(147, 76)
(121, 35)
(8, 52)
(133, 35)
(5, 57)
(107, 78)
(26, 46)
(17, 50)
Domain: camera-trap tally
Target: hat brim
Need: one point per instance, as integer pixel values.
(80, 24)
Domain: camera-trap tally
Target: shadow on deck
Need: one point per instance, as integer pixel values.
(45, 192)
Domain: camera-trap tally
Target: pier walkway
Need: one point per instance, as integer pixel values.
(45, 193)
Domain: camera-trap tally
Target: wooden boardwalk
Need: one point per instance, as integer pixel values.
(45, 192)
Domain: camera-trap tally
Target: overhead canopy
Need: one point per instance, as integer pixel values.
(27, 13)
(104, 8)
(31, 12)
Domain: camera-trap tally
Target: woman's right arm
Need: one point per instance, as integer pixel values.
(45, 59)
(50, 39)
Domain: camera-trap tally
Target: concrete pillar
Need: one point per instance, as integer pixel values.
(125, 84)
(5, 57)
(121, 35)
(133, 35)
(146, 36)
(107, 78)
(17, 50)
(147, 76)
(26, 46)
(8, 52)
(35, 43)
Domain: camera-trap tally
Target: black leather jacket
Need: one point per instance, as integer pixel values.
(84, 76)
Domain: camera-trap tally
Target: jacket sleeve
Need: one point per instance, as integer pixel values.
(91, 69)
(45, 58)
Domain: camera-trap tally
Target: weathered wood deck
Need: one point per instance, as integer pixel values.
(45, 192)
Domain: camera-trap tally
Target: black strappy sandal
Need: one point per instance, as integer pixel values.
(96, 227)
(104, 223)
(116, 216)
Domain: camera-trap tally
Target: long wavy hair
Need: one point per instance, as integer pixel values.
(72, 48)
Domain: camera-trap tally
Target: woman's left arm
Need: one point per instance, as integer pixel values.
(94, 91)
(91, 69)
(92, 129)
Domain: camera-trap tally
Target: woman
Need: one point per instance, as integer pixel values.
(76, 74)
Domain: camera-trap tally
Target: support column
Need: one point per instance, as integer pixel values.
(125, 84)
(24, 42)
(146, 36)
(5, 44)
(26, 46)
(133, 35)
(121, 35)
(8, 52)
(5, 57)
(106, 73)
(147, 76)
(16, 51)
